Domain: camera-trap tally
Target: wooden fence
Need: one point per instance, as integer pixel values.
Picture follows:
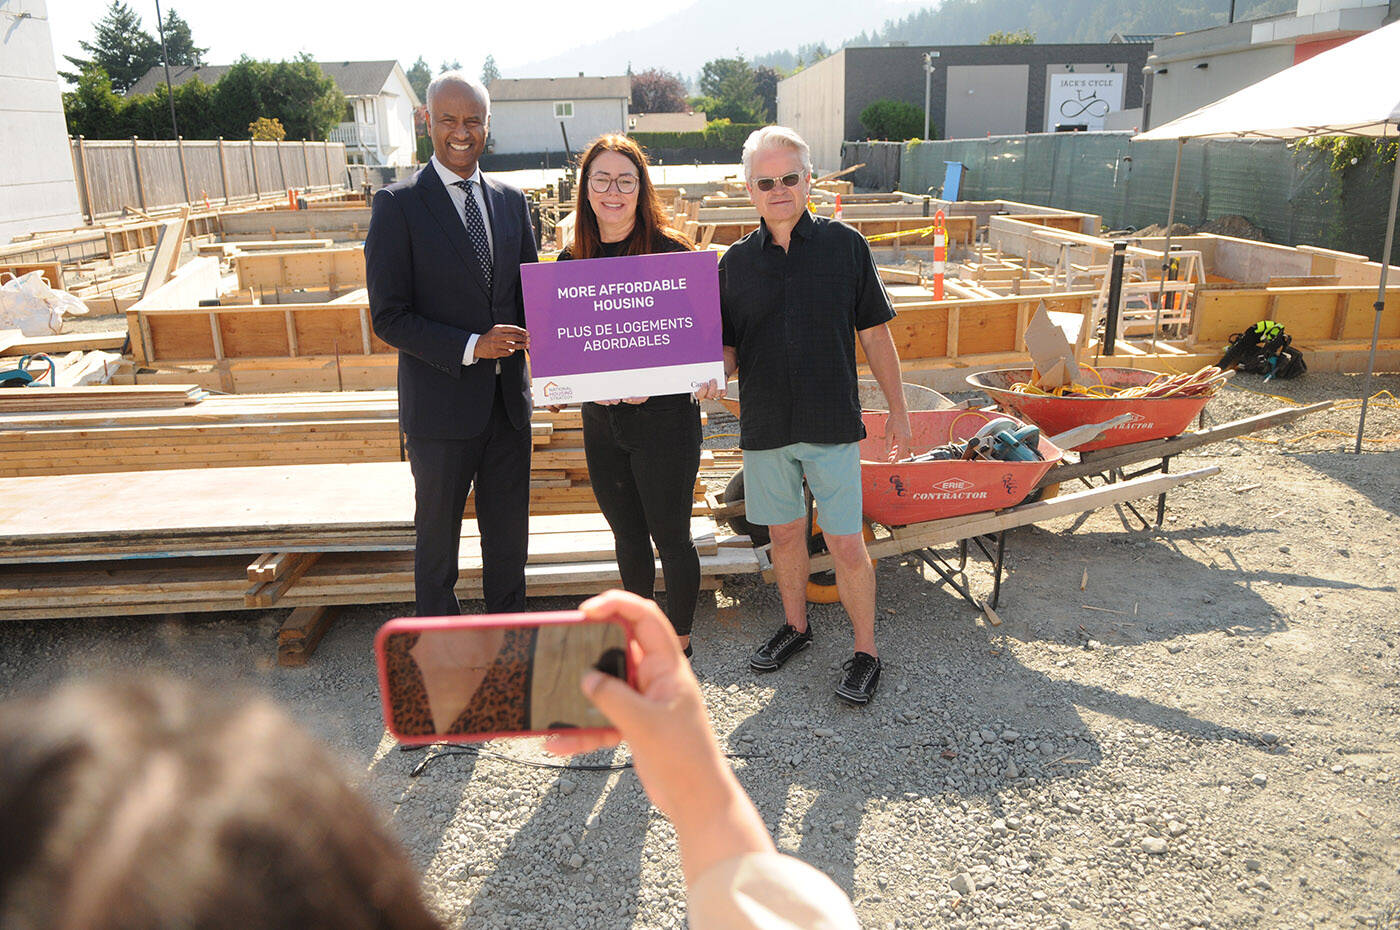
(117, 174)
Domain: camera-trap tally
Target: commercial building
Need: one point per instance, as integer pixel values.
(1193, 69)
(973, 90)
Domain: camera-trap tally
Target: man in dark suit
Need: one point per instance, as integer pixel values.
(443, 258)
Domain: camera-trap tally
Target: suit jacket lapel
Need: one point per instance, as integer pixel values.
(502, 226)
(440, 205)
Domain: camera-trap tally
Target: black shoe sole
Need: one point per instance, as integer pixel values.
(855, 701)
(776, 664)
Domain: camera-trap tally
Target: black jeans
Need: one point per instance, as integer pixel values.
(496, 466)
(642, 462)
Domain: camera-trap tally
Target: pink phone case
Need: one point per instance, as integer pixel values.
(506, 621)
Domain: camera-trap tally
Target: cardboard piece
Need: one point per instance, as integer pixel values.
(1051, 351)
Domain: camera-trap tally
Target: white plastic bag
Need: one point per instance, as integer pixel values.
(29, 305)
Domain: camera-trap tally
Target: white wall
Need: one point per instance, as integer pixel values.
(1185, 87)
(985, 100)
(37, 190)
(395, 122)
(521, 126)
(813, 102)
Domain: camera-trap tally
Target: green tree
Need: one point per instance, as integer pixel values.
(179, 41)
(489, 71)
(892, 119)
(419, 77)
(453, 65)
(92, 108)
(1019, 37)
(765, 80)
(120, 46)
(148, 115)
(731, 85)
(296, 92)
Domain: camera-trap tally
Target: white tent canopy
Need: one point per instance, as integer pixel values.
(1350, 90)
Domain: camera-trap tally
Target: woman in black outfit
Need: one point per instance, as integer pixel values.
(643, 452)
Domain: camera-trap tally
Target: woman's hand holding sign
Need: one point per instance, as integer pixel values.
(501, 340)
(710, 390)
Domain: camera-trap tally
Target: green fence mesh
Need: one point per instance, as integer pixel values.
(1289, 192)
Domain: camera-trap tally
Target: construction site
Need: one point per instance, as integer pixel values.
(1181, 642)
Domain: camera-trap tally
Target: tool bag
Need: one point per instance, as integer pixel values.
(1264, 349)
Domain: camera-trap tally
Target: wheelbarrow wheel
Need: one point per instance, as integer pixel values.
(734, 491)
(821, 586)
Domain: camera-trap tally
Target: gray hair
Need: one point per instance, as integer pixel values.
(461, 79)
(773, 137)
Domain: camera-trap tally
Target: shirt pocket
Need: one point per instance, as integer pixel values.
(834, 290)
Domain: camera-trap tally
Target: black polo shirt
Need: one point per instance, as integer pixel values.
(792, 318)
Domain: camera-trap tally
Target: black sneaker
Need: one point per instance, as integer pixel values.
(785, 644)
(861, 679)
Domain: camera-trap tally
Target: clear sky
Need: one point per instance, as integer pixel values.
(516, 33)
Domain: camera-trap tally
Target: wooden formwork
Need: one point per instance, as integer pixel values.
(211, 334)
(333, 268)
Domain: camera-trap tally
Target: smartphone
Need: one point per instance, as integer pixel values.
(465, 679)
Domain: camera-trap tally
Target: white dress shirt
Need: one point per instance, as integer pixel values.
(459, 202)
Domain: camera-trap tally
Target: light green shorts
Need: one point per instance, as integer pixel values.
(773, 485)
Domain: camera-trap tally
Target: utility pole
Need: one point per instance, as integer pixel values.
(928, 87)
(170, 94)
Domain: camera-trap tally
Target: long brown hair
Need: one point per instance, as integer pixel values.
(152, 804)
(648, 229)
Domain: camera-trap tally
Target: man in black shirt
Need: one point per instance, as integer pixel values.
(795, 295)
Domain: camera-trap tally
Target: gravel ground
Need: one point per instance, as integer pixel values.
(1205, 731)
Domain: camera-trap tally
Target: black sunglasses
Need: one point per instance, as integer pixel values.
(789, 180)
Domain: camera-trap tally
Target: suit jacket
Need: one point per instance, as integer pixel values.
(427, 295)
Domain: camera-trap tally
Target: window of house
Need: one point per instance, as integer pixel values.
(563, 109)
(369, 112)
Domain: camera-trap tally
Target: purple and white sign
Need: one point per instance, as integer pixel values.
(633, 326)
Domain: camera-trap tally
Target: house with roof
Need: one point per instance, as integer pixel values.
(377, 128)
(531, 117)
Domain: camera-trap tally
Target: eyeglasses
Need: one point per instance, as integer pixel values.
(602, 183)
(789, 180)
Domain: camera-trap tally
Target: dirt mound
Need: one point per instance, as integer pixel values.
(1231, 224)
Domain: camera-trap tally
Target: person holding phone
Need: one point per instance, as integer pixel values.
(151, 803)
(643, 452)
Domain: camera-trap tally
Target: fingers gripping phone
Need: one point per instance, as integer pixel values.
(464, 679)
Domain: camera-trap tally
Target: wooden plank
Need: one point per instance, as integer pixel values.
(167, 254)
(939, 532)
(51, 272)
(1102, 460)
(267, 594)
(13, 342)
(301, 633)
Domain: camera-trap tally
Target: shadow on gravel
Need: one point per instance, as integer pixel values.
(569, 858)
(1371, 474)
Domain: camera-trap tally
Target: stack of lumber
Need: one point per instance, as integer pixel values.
(13, 342)
(229, 539)
(157, 427)
(98, 397)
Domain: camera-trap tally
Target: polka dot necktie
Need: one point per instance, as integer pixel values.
(476, 231)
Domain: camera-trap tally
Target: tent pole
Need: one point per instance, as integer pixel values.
(1167, 246)
(1380, 298)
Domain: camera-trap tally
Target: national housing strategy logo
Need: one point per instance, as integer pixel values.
(555, 391)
